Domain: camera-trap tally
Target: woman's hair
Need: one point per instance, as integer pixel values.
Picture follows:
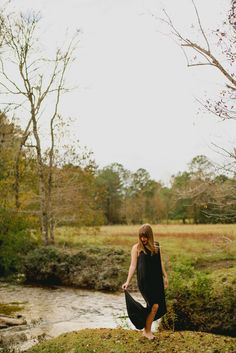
(146, 231)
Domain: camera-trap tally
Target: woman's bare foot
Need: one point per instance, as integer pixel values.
(148, 335)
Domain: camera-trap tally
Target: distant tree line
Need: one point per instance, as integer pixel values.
(198, 195)
(83, 194)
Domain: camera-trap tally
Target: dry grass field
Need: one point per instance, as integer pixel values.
(214, 242)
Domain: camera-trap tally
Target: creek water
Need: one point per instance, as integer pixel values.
(55, 310)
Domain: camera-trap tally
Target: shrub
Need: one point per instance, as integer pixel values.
(15, 241)
(202, 302)
(41, 265)
(91, 268)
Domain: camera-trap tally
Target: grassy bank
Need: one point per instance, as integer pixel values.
(125, 341)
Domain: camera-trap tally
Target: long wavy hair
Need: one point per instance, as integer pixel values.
(146, 231)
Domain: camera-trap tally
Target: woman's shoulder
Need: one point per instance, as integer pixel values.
(135, 246)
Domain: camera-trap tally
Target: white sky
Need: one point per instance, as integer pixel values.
(135, 103)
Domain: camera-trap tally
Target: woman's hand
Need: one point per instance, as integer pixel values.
(166, 282)
(125, 285)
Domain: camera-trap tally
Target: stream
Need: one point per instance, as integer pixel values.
(51, 311)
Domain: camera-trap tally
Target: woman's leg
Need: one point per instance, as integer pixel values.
(147, 330)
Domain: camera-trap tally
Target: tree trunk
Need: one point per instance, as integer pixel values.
(51, 229)
(42, 183)
(17, 183)
(17, 165)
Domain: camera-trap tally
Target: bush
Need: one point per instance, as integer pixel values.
(91, 268)
(15, 241)
(202, 302)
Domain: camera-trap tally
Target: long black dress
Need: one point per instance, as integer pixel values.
(151, 286)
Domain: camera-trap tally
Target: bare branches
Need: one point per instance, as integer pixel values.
(204, 53)
(9, 81)
(39, 76)
(204, 56)
(219, 109)
(200, 25)
(36, 79)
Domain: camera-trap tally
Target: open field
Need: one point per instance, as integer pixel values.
(165, 229)
(215, 243)
(160, 230)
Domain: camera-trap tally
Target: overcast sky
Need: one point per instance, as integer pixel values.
(136, 98)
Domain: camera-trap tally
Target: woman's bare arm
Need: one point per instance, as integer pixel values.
(132, 267)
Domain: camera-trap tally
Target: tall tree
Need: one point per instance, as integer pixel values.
(142, 201)
(30, 81)
(181, 197)
(109, 181)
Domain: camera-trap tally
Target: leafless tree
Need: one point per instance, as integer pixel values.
(202, 53)
(29, 81)
(220, 57)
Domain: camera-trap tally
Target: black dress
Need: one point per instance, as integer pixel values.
(151, 286)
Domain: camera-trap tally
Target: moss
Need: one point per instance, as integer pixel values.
(125, 341)
(9, 309)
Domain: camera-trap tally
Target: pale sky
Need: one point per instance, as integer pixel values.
(135, 102)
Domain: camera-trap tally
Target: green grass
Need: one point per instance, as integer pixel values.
(209, 243)
(125, 341)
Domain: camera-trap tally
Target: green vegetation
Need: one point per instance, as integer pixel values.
(201, 302)
(197, 195)
(90, 267)
(15, 241)
(125, 341)
(10, 308)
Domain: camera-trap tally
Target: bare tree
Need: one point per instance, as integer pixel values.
(29, 81)
(203, 53)
(220, 57)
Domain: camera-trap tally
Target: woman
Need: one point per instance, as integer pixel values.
(152, 279)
